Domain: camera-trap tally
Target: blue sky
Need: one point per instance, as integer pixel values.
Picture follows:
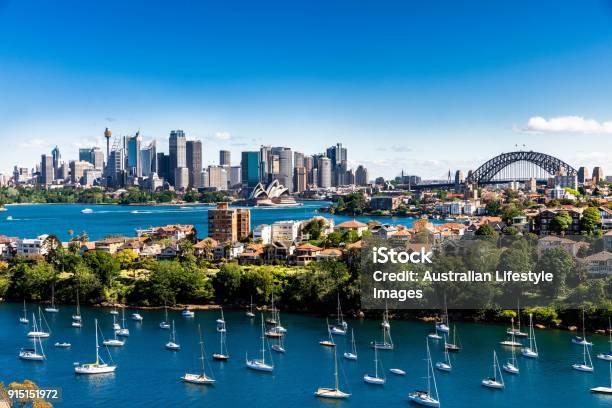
(423, 86)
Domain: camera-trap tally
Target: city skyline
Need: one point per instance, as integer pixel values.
(400, 97)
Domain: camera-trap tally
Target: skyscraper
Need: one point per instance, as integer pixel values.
(300, 180)
(264, 165)
(216, 177)
(194, 162)
(46, 170)
(250, 171)
(298, 159)
(148, 159)
(225, 158)
(97, 158)
(361, 176)
(163, 166)
(598, 175)
(338, 156)
(133, 155)
(324, 170)
(583, 174)
(285, 166)
(177, 153)
(57, 158)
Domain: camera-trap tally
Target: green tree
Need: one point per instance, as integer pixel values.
(558, 262)
(590, 221)
(561, 222)
(227, 281)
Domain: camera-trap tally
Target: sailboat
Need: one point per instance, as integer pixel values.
(271, 319)
(249, 312)
(172, 344)
(517, 332)
(330, 341)
(446, 364)
(511, 366)
(387, 342)
(114, 312)
(512, 342)
(426, 398)
(137, 317)
(260, 365)
(341, 326)
(532, 350)
(279, 346)
(604, 390)
(99, 367)
(223, 354)
(587, 363)
(582, 340)
(37, 331)
(76, 318)
(123, 331)
(52, 308)
(202, 378)
(495, 382)
(376, 380)
(33, 354)
(332, 393)
(607, 356)
(187, 313)
(454, 346)
(165, 325)
(221, 323)
(443, 325)
(114, 342)
(115, 324)
(24, 319)
(351, 355)
(435, 335)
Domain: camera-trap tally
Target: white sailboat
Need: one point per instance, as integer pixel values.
(37, 330)
(260, 365)
(221, 323)
(435, 335)
(607, 356)
(512, 342)
(202, 378)
(602, 389)
(279, 346)
(330, 340)
(114, 342)
(582, 340)
(271, 319)
(165, 325)
(52, 308)
(172, 344)
(511, 365)
(443, 325)
(137, 317)
(33, 354)
(332, 393)
(123, 331)
(387, 341)
(187, 313)
(517, 332)
(99, 367)
(385, 323)
(454, 346)
(427, 398)
(351, 355)
(223, 354)
(376, 380)
(532, 350)
(587, 363)
(76, 317)
(446, 364)
(24, 319)
(340, 327)
(249, 312)
(495, 382)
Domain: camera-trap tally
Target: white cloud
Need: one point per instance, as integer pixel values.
(566, 124)
(223, 136)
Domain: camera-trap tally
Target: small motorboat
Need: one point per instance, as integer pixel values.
(397, 371)
(62, 344)
(136, 317)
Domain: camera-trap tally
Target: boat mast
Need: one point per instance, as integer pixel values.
(201, 350)
(263, 347)
(336, 369)
(97, 345)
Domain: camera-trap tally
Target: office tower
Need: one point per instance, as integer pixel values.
(324, 170)
(225, 158)
(77, 170)
(107, 135)
(115, 167)
(583, 174)
(63, 172)
(250, 170)
(85, 154)
(338, 156)
(181, 178)
(46, 170)
(315, 177)
(234, 176)
(216, 177)
(350, 177)
(285, 166)
(133, 155)
(264, 165)
(177, 153)
(227, 224)
(598, 175)
(298, 159)
(361, 176)
(97, 158)
(300, 179)
(148, 159)
(309, 165)
(163, 166)
(57, 158)
(194, 162)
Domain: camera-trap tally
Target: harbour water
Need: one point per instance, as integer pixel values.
(31, 220)
(149, 376)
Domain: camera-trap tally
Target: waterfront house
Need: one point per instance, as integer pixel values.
(283, 250)
(7, 247)
(607, 241)
(262, 234)
(171, 251)
(606, 217)
(228, 250)
(545, 217)
(252, 255)
(306, 253)
(384, 231)
(553, 241)
(31, 246)
(205, 247)
(352, 225)
(330, 254)
(110, 244)
(599, 264)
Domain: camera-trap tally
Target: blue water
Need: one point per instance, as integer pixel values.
(29, 221)
(148, 375)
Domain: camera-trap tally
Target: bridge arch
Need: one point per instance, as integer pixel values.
(487, 171)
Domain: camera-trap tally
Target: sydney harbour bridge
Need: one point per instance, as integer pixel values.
(512, 166)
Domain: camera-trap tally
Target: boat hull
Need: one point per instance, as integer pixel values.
(198, 379)
(510, 368)
(423, 399)
(582, 367)
(495, 385)
(442, 366)
(94, 369)
(331, 393)
(602, 390)
(373, 380)
(259, 366)
(350, 356)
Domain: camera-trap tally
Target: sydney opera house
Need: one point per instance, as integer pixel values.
(275, 194)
